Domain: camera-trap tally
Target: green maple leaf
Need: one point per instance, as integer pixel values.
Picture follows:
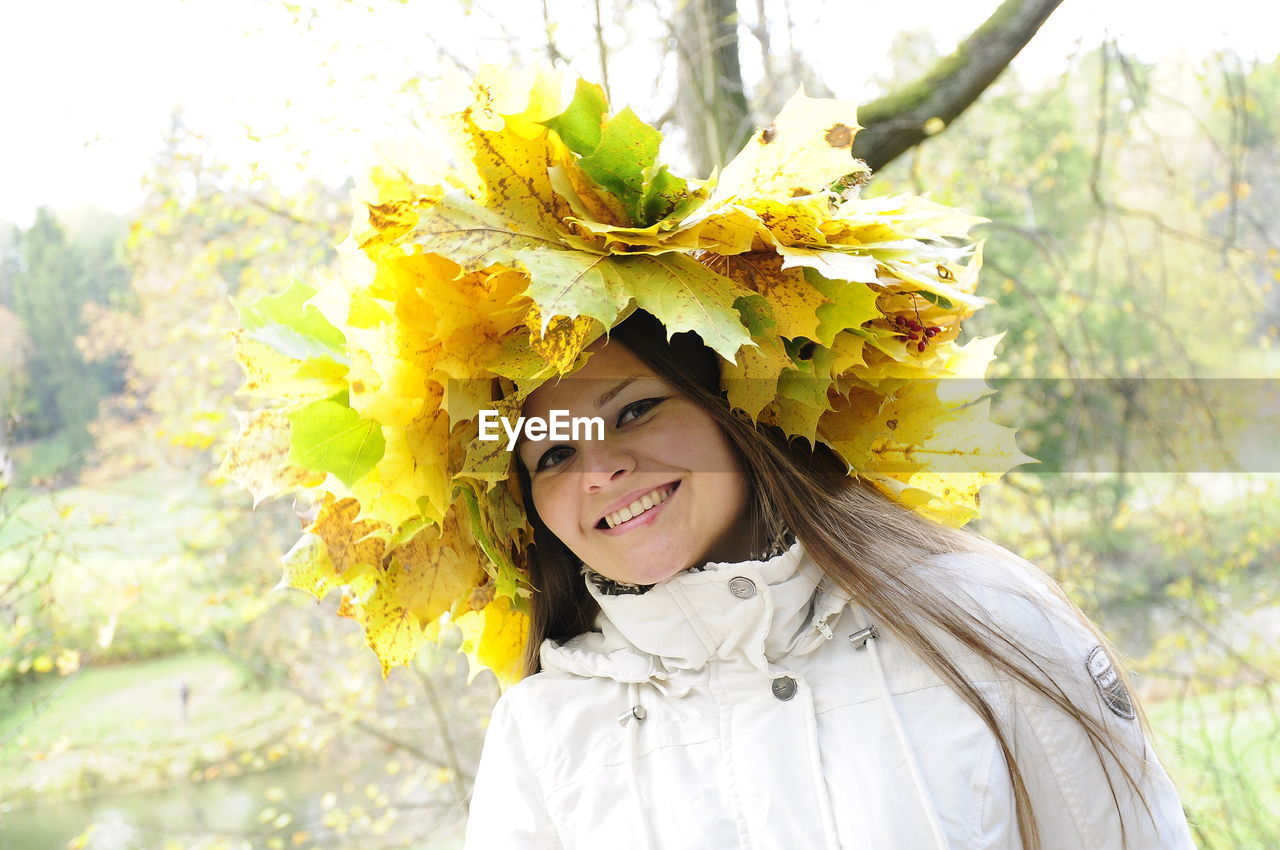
(687, 296)
(328, 436)
(852, 303)
(620, 154)
(286, 323)
(579, 124)
(572, 284)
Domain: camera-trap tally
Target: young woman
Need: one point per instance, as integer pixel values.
(736, 644)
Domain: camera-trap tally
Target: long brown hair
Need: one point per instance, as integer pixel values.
(864, 542)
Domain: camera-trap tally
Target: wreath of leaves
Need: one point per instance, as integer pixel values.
(468, 280)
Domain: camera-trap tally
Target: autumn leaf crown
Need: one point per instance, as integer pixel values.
(471, 278)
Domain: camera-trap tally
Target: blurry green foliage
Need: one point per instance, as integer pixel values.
(47, 279)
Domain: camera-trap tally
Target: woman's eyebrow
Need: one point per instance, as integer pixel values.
(607, 395)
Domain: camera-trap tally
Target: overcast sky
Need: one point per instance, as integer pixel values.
(89, 85)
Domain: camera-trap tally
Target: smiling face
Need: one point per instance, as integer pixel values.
(660, 449)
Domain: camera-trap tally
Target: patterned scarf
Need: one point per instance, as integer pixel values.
(609, 587)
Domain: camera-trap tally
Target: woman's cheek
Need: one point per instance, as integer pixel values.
(553, 504)
(684, 441)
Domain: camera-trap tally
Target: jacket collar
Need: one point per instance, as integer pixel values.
(783, 607)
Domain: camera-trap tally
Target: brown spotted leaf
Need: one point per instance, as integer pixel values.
(806, 148)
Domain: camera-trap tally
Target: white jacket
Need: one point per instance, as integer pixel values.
(730, 708)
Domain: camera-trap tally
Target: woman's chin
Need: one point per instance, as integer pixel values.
(644, 568)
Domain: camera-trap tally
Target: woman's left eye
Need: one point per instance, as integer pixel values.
(638, 407)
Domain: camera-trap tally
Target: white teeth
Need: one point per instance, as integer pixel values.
(639, 506)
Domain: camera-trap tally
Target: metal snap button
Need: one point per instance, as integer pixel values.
(784, 688)
(741, 587)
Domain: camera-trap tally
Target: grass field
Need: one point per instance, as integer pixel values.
(152, 557)
(122, 726)
(148, 562)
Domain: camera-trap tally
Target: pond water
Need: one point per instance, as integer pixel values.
(191, 816)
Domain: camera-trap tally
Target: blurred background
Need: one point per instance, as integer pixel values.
(161, 156)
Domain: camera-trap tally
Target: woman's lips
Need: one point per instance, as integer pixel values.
(646, 518)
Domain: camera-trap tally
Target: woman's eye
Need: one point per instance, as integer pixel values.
(546, 461)
(638, 407)
(554, 456)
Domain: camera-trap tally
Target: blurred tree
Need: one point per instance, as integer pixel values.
(206, 231)
(50, 278)
(14, 350)
(714, 103)
(1246, 130)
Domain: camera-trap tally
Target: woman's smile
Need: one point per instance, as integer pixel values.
(617, 522)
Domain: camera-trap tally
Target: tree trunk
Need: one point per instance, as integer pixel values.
(711, 104)
(896, 122)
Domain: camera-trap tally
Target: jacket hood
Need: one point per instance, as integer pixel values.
(679, 625)
(667, 635)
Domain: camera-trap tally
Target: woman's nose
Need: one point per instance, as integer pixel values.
(603, 462)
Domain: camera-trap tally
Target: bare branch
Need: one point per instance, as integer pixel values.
(442, 720)
(895, 122)
(554, 56)
(604, 55)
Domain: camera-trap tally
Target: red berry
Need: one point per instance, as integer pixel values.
(931, 331)
(921, 346)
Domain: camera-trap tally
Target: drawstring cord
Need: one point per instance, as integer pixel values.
(868, 639)
(632, 718)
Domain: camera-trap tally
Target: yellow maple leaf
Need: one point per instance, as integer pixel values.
(493, 638)
(438, 566)
(392, 631)
(270, 374)
(792, 301)
(258, 458)
(804, 150)
(307, 567)
(751, 382)
(349, 541)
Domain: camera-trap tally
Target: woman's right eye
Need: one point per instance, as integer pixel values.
(543, 462)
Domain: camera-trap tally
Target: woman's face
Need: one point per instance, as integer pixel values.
(657, 443)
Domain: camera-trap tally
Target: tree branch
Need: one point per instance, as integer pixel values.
(554, 56)
(895, 122)
(711, 102)
(446, 737)
(604, 55)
